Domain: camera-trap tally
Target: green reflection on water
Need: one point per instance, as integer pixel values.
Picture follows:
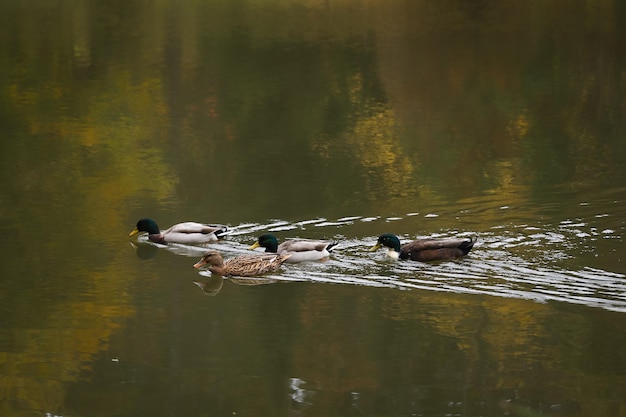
(244, 112)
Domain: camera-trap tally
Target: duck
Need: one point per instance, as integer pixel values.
(301, 250)
(190, 233)
(242, 265)
(425, 250)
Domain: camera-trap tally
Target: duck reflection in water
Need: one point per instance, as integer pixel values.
(145, 251)
(212, 286)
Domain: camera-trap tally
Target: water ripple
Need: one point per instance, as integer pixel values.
(519, 260)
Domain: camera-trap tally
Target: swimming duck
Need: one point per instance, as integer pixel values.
(187, 233)
(425, 249)
(243, 265)
(300, 249)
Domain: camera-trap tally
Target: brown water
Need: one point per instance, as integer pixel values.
(321, 120)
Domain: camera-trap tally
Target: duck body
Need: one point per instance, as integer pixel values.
(301, 250)
(190, 233)
(425, 250)
(243, 265)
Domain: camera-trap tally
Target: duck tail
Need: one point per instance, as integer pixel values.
(280, 259)
(222, 231)
(468, 245)
(331, 246)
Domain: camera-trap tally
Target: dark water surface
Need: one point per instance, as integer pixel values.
(333, 120)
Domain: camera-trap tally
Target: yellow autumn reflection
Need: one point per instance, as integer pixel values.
(100, 160)
(61, 348)
(387, 108)
(518, 127)
(375, 144)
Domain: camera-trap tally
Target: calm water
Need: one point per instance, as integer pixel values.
(334, 120)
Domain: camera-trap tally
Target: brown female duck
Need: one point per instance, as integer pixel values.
(243, 265)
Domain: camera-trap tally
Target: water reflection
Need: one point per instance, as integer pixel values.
(526, 261)
(145, 250)
(337, 120)
(212, 285)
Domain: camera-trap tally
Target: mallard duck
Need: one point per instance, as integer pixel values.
(425, 249)
(300, 249)
(187, 233)
(243, 265)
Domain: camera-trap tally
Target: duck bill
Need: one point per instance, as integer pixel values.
(256, 245)
(376, 247)
(199, 264)
(134, 232)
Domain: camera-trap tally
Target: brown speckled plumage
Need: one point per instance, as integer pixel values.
(243, 265)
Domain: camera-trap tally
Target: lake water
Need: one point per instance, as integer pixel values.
(331, 120)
